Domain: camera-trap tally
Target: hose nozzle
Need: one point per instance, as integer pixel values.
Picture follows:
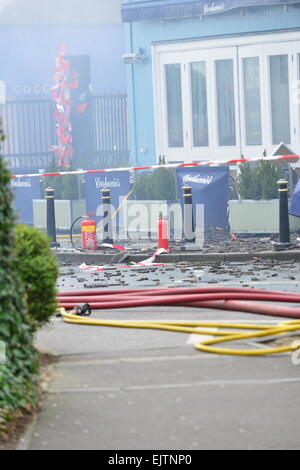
(83, 310)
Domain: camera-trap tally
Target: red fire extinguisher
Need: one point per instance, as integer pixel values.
(163, 241)
(88, 234)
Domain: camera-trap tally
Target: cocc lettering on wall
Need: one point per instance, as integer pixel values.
(27, 89)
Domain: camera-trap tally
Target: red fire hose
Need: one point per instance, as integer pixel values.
(227, 298)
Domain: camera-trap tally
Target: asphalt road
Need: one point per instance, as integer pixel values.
(139, 389)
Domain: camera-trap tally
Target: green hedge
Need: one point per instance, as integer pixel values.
(38, 270)
(157, 185)
(65, 187)
(258, 180)
(18, 374)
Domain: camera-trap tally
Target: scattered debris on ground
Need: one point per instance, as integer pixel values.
(242, 243)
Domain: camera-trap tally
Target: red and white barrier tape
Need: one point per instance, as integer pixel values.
(154, 167)
(146, 262)
(116, 247)
(149, 261)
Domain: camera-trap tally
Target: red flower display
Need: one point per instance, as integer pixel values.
(65, 80)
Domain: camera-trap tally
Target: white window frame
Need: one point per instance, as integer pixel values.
(224, 152)
(270, 50)
(246, 46)
(245, 52)
(198, 153)
(296, 94)
(172, 153)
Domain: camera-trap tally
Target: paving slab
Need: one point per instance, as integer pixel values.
(203, 403)
(119, 389)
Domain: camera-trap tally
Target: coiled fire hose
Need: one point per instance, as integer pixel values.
(228, 298)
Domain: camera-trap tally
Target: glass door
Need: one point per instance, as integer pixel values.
(268, 87)
(220, 102)
(198, 97)
(225, 103)
(280, 99)
(174, 105)
(171, 119)
(252, 101)
(199, 108)
(296, 95)
(197, 114)
(279, 74)
(213, 104)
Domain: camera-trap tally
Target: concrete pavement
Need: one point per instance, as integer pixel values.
(117, 389)
(174, 399)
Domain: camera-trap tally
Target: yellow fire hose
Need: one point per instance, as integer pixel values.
(279, 331)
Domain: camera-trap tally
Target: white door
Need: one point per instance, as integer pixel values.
(217, 102)
(198, 97)
(171, 108)
(226, 143)
(253, 103)
(296, 96)
(268, 96)
(197, 112)
(279, 75)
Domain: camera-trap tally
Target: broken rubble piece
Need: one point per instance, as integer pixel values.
(120, 257)
(190, 279)
(91, 286)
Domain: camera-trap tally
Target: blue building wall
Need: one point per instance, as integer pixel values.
(144, 34)
(27, 54)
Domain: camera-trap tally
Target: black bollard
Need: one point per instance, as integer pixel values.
(284, 225)
(51, 225)
(107, 228)
(188, 219)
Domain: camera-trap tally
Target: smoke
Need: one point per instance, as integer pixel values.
(6, 3)
(62, 11)
(6, 9)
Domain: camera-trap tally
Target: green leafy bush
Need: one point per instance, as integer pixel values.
(65, 187)
(18, 373)
(156, 185)
(258, 181)
(38, 271)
